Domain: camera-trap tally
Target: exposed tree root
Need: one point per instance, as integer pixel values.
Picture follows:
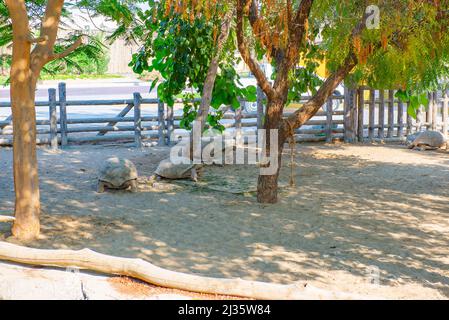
(145, 271)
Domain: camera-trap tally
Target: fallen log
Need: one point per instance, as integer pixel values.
(6, 219)
(145, 271)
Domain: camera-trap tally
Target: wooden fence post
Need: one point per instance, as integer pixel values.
(63, 113)
(329, 114)
(161, 122)
(170, 124)
(238, 125)
(409, 122)
(445, 111)
(238, 118)
(360, 114)
(436, 106)
(429, 112)
(401, 119)
(381, 129)
(419, 117)
(53, 117)
(390, 131)
(372, 109)
(350, 112)
(137, 120)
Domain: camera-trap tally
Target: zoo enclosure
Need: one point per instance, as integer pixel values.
(360, 115)
(157, 126)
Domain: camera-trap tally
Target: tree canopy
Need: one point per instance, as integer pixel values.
(408, 50)
(89, 57)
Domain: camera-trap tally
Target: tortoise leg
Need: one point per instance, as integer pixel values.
(100, 187)
(133, 185)
(194, 175)
(152, 180)
(422, 147)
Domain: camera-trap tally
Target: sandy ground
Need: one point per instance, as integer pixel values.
(358, 211)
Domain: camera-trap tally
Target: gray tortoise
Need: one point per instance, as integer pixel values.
(427, 140)
(168, 170)
(117, 173)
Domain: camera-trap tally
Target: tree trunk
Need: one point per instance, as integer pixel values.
(209, 83)
(26, 184)
(25, 69)
(267, 188)
(26, 181)
(267, 185)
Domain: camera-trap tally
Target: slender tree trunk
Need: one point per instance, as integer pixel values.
(209, 83)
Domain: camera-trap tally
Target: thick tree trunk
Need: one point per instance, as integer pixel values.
(267, 188)
(26, 184)
(267, 185)
(25, 69)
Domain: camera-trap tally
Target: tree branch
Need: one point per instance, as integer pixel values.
(50, 22)
(260, 30)
(49, 28)
(253, 65)
(69, 50)
(287, 59)
(311, 107)
(32, 39)
(297, 31)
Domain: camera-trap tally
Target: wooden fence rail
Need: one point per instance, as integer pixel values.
(366, 115)
(60, 129)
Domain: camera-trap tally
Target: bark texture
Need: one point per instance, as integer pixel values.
(286, 57)
(26, 66)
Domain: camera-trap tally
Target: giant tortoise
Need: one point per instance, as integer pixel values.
(117, 173)
(427, 140)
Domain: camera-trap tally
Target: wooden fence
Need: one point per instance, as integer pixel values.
(372, 115)
(60, 129)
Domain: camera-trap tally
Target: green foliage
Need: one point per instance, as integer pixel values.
(91, 58)
(409, 52)
(126, 13)
(414, 100)
(181, 51)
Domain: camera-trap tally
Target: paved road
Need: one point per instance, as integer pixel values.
(95, 90)
(91, 92)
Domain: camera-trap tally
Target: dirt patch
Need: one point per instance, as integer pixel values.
(369, 219)
(133, 287)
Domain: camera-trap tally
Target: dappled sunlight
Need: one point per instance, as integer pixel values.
(346, 214)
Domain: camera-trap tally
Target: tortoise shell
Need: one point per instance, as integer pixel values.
(117, 171)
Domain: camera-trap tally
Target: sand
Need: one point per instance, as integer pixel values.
(358, 211)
